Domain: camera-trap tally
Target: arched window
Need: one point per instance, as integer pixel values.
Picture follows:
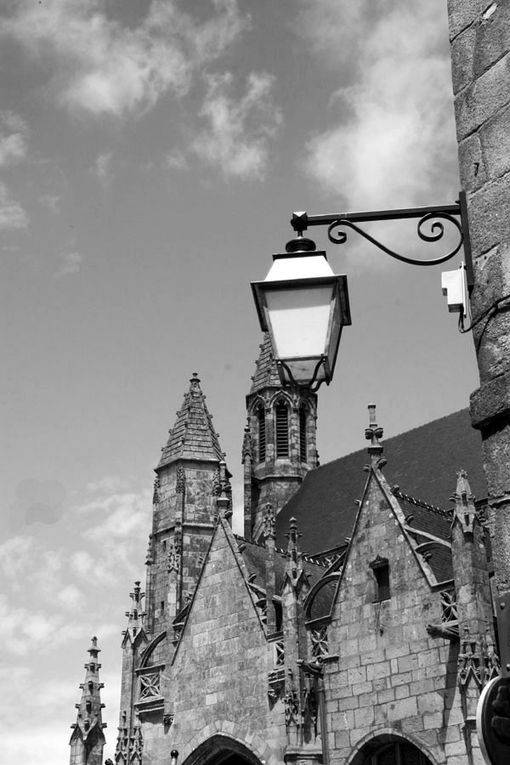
(282, 429)
(261, 427)
(302, 434)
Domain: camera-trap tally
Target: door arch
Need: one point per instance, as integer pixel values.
(388, 749)
(222, 750)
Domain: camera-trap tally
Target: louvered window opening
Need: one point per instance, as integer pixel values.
(261, 417)
(302, 434)
(282, 430)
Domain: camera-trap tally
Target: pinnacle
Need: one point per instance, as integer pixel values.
(88, 717)
(192, 436)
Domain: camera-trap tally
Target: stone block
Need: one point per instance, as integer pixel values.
(462, 52)
(471, 163)
(495, 144)
(489, 222)
(462, 13)
(402, 709)
(384, 697)
(364, 717)
(480, 100)
(401, 691)
(492, 36)
(429, 702)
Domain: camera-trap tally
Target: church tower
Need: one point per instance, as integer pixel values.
(190, 477)
(279, 445)
(184, 508)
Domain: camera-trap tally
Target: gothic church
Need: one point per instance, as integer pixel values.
(351, 624)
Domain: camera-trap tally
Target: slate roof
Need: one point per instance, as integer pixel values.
(423, 462)
(266, 374)
(255, 556)
(193, 435)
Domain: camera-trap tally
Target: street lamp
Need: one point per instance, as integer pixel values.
(303, 305)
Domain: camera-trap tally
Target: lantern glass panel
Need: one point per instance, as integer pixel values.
(300, 319)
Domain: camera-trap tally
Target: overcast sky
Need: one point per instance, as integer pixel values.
(151, 154)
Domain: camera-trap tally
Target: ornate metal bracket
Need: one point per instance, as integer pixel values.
(430, 228)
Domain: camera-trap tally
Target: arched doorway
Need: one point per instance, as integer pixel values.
(390, 750)
(222, 750)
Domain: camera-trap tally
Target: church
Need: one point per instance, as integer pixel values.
(351, 623)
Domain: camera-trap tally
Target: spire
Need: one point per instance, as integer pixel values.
(266, 373)
(87, 739)
(193, 435)
(464, 510)
(373, 433)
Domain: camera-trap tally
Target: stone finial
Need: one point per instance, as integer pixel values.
(293, 535)
(373, 433)
(464, 511)
(223, 501)
(194, 382)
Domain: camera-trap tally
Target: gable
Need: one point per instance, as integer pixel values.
(423, 462)
(380, 539)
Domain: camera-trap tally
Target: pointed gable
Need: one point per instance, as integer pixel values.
(222, 646)
(266, 373)
(193, 436)
(421, 462)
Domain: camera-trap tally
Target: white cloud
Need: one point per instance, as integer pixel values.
(13, 138)
(16, 554)
(392, 140)
(103, 166)
(176, 160)
(105, 68)
(12, 214)
(51, 201)
(70, 263)
(236, 140)
(70, 596)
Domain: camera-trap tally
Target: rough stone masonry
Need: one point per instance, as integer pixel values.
(480, 43)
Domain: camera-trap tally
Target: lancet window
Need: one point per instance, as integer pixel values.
(282, 429)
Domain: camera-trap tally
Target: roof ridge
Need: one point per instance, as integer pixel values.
(395, 490)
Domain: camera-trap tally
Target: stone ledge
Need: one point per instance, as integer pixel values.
(491, 401)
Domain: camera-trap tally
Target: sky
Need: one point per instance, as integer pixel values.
(151, 154)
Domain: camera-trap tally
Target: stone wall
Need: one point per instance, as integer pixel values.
(218, 682)
(480, 44)
(391, 676)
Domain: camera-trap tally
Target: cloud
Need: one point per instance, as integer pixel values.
(391, 141)
(13, 138)
(237, 137)
(12, 214)
(51, 201)
(176, 160)
(105, 68)
(103, 166)
(70, 263)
